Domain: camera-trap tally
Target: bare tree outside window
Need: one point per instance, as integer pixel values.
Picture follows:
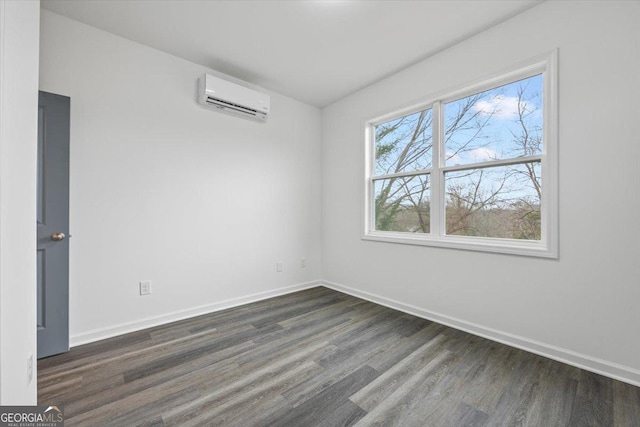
(491, 165)
(404, 145)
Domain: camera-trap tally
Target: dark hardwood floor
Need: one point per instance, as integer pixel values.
(323, 358)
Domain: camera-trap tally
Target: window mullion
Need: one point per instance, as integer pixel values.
(493, 163)
(402, 174)
(436, 175)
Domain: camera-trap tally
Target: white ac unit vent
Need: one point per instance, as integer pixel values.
(233, 97)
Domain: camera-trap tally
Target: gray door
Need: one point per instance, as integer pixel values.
(53, 224)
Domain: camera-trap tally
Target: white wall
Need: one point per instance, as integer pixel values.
(582, 308)
(200, 203)
(19, 29)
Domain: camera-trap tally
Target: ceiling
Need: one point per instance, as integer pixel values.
(313, 51)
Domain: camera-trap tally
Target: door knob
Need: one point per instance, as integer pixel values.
(58, 236)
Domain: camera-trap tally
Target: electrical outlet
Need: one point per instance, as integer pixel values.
(279, 267)
(145, 287)
(303, 263)
(29, 369)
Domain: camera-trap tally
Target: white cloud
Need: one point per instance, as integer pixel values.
(502, 107)
(452, 158)
(483, 154)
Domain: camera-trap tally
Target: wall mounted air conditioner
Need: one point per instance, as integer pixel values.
(232, 96)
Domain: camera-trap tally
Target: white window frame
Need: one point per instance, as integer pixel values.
(547, 246)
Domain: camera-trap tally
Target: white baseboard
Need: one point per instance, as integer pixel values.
(124, 328)
(582, 361)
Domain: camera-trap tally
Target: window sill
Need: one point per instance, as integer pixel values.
(480, 244)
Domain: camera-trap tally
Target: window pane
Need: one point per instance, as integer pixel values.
(494, 202)
(402, 204)
(404, 144)
(501, 123)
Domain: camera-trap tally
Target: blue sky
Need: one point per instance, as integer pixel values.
(496, 113)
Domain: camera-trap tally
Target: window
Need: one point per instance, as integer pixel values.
(473, 169)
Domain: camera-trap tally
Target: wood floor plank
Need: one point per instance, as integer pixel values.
(409, 325)
(110, 365)
(555, 399)
(169, 361)
(593, 405)
(322, 358)
(396, 354)
(120, 343)
(626, 404)
(355, 359)
(345, 306)
(89, 354)
(87, 388)
(230, 410)
(520, 392)
(221, 364)
(467, 416)
(294, 340)
(219, 393)
(324, 405)
(373, 394)
(493, 374)
(443, 403)
(264, 312)
(400, 407)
